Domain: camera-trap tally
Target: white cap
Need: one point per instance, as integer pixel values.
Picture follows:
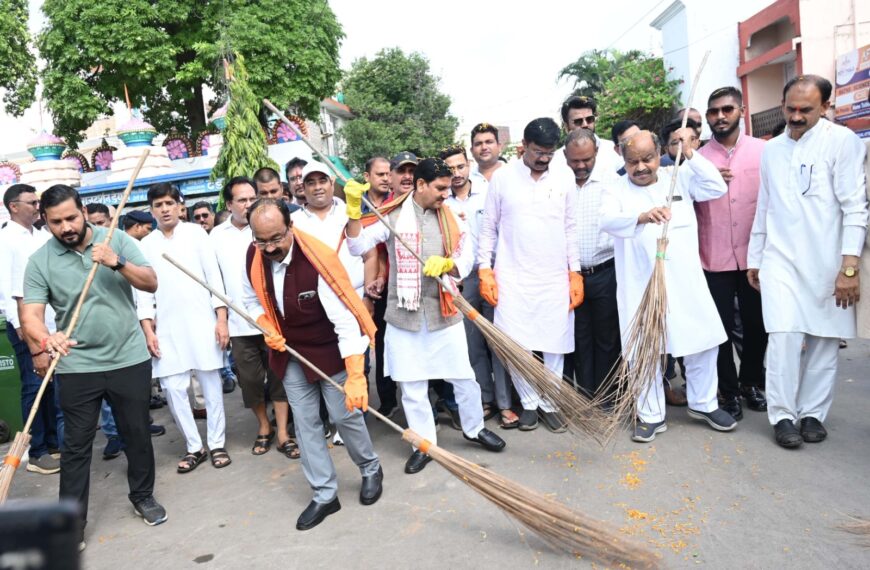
(314, 166)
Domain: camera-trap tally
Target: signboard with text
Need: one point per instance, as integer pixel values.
(852, 91)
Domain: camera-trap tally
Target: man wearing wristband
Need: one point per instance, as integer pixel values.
(99, 361)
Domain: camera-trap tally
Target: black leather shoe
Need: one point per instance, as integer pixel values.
(786, 434)
(731, 404)
(315, 512)
(812, 430)
(416, 462)
(755, 399)
(488, 440)
(372, 487)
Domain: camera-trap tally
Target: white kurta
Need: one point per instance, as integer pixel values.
(530, 227)
(812, 209)
(17, 244)
(693, 324)
(231, 249)
(185, 311)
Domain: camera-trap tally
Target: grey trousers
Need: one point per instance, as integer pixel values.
(317, 464)
(488, 369)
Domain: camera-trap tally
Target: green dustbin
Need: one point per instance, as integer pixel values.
(10, 385)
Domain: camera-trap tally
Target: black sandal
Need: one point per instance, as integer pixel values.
(290, 449)
(489, 412)
(217, 455)
(263, 442)
(192, 460)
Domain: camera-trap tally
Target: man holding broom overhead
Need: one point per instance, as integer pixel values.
(425, 336)
(107, 358)
(632, 211)
(297, 288)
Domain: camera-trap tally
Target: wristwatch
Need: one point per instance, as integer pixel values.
(122, 261)
(849, 271)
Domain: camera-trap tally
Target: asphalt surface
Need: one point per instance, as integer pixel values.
(694, 496)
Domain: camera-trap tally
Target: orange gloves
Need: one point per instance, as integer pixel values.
(575, 290)
(356, 390)
(488, 287)
(274, 340)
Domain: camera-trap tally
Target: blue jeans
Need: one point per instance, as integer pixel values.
(47, 429)
(107, 420)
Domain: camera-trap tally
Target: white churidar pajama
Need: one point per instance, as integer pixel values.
(175, 386)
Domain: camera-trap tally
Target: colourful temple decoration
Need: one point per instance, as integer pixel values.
(136, 132)
(202, 141)
(219, 118)
(46, 147)
(101, 158)
(9, 173)
(178, 146)
(78, 158)
(281, 133)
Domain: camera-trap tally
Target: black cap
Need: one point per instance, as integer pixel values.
(404, 157)
(140, 217)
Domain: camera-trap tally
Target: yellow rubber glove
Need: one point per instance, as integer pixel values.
(488, 287)
(353, 192)
(436, 265)
(576, 290)
(274, 340)
(356, 389)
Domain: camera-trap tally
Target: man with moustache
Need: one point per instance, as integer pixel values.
(596, 321)
(192, 333)
(377, 175)
(203, 215)
(267, 183)
(724, 225)
(631, 212)
(485, 149)
(137, 224)
(101, 361)
(402, 172)
(529, 227)
(293, 170)
(806, 238)
(622, 130)
(297, 289)
(581, 112)
(671, 140)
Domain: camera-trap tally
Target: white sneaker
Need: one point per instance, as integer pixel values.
(336, 439)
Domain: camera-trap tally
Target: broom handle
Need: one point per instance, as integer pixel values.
(242, 313)
(680, 146)
(323, 158)
(78, 308)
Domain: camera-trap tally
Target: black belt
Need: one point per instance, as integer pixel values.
(595, 268)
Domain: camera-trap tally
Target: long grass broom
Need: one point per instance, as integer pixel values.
(555, 523)
(645, 343)
(22, 439)
(581, 413)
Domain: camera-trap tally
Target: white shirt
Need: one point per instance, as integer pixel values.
(185, 311)
(350, 339)
(231, 248)
(596, 246)
(812, 209)
(330, 230)
(17, 244)
(607, 159)
(470, 209)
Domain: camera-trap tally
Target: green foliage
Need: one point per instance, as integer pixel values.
(244, 149)
(642, 92)
(165, 51)
(18, 70)
(595, 67)
(397, 106)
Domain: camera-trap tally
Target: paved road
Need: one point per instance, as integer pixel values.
(697, 497)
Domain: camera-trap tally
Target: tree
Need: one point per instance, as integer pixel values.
(595, 67)
(18, 71)
(397, 106)
(244, 150)
(642, 92)
(167, 51)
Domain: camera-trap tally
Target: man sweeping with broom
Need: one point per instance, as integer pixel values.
(425, 336)
(631, 211)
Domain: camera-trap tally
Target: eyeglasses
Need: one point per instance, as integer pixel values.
(540, 153)
(580, 121)
(274, 241)
(31, 203)
(725, 110)
(295, 179)
(676, 142)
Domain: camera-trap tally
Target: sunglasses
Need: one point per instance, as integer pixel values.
(579, 122)
(201, 217)
(725, 110)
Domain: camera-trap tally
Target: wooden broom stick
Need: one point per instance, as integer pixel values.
(22, 439)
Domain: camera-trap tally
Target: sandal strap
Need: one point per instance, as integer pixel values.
(219, 452)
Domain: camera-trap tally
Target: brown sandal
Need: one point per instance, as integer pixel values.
(290, 449)
(191, 461)
(505, 421)
(220, 458)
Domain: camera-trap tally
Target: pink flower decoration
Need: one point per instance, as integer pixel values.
(103, 160)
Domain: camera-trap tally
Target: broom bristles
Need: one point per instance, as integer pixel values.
(558, 525)
(859, 526)
(7, 470)
(582, 414)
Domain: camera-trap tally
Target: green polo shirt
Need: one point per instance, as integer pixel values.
(108, 332)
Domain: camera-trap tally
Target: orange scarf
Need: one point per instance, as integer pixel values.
(449, 238)
(330, 269)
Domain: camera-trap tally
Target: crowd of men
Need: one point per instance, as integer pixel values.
(556, 247)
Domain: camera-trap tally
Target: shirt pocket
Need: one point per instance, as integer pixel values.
(817, 185)
(681, 213)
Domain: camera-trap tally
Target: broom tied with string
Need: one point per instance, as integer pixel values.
(560, 526)
(581, 414)
(22, 439)
(645, 342)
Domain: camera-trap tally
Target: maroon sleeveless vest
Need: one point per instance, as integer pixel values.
(304, 323)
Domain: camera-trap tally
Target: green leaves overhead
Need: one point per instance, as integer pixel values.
(18, 67)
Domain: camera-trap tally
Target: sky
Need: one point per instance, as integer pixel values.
(498, 61)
